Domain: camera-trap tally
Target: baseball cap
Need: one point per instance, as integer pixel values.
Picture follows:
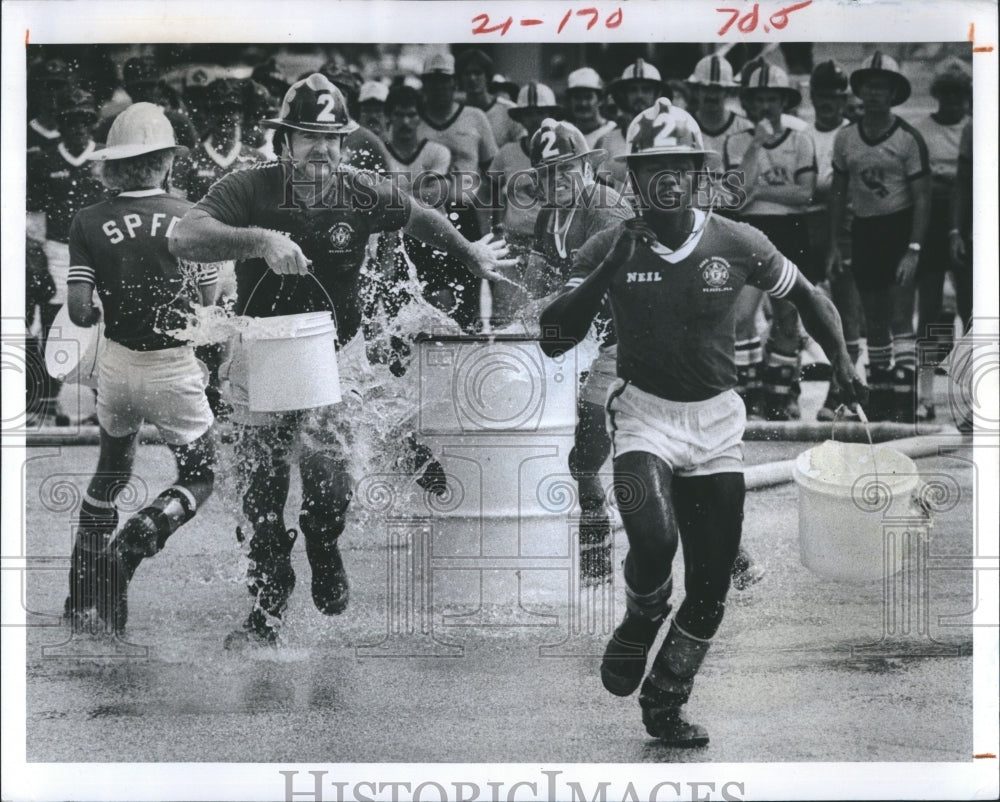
(439, 64)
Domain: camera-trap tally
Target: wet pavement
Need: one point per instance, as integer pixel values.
(803, 669)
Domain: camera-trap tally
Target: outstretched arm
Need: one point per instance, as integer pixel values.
(199, 237)
(820, 318)
(483, 257)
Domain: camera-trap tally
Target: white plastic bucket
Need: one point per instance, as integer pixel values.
(292, 362)
(72, 352)
(844, 517)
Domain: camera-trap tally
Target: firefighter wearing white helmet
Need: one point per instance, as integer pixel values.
(119, 248)
(636, 89)
(778, 169)
(882, 167)
(672, 277)
(574, 209)
(298, 229)
(712, 84)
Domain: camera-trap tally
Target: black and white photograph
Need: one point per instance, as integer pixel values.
(324, 361)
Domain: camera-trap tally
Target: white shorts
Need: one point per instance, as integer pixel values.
(603, 372)
(694, 438)
(58, 255)
(165, 388)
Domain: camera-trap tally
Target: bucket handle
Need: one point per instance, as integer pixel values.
(322, 289)
(838, 415)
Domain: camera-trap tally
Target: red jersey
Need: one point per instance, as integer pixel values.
(120, 247)
(332, 234)
(674, 310)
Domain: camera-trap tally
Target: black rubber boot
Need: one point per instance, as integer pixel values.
(668, 687)
(750, 389)
(84, 576)
(330, 588)
(625, 657)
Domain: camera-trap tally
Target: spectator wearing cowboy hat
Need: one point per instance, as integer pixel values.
(473, 69)
(942, 132)
(517, 193)
(371, 108)
(882, 168)
(638, 88)
(299, 229)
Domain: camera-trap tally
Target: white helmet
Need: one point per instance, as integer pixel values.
(662, 130)
(139, 129)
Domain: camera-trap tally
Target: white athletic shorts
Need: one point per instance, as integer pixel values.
(165, 388)
(58, 255)
(694, 438)
(603, 372)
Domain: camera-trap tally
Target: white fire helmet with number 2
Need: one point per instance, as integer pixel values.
(313, 105)
(556, 142)
(663, 130)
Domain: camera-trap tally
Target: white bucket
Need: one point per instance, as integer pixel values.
(844, 518)
(292, 362)
(72, 352)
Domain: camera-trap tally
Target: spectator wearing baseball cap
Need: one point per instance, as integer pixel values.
(473, 69)
(584, 90)
(942, 132)
(46, 81)
(363, 148)
(371, 107)
(468, 135)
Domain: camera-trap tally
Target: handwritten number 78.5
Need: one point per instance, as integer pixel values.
(748, 22)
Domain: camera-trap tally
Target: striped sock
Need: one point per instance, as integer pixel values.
(749, 352)
(854, 351)
(879, 356)
(904, 351)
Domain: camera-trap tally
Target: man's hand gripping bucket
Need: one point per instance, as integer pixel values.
(292, 360)
(848, 495)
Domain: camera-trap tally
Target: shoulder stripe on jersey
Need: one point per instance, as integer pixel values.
(576, 281)
(785, 281)
(81, 273)
(925, 159)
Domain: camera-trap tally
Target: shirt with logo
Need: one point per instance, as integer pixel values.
(120, 247)
(332, 233)
(60, 184)
(942, 149)
(674, 311)
(780, 164)
(880, 170)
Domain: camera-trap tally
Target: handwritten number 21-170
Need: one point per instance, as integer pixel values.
(481, 22)
(748, 22)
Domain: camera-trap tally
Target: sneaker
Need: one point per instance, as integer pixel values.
(256, 631)
(624, 661)
(746, 571)
(330, 588)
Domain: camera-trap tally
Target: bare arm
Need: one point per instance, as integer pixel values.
(906, 271)
(199, 237)
(798, 194)
(822, 322)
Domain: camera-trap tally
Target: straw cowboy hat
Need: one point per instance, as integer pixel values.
(142, 128)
